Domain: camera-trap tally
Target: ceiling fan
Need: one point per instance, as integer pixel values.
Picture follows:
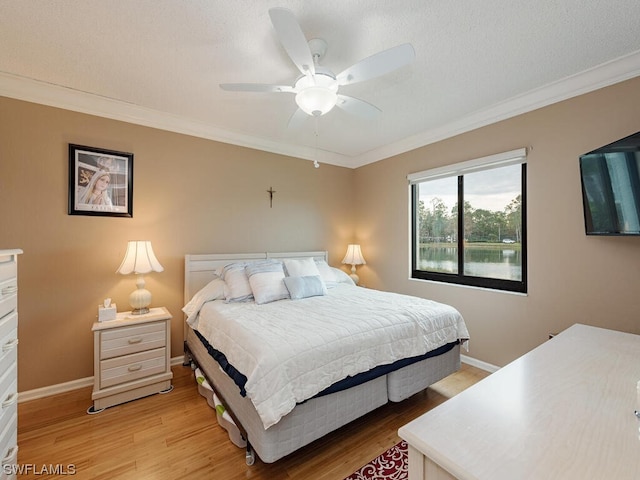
(316, 90)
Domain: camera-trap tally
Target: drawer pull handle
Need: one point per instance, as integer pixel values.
(135, 340)
(10, 345)
(135, 368)
(9, 290)
(10, 400)
(11, 457)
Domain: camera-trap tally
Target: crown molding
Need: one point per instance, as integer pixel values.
(34, 91)
(604, 75)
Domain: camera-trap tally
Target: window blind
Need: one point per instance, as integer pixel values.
(513, 157)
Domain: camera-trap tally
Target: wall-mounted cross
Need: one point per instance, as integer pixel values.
(271, 191)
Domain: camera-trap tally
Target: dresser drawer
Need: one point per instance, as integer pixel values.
(8, 341)
(132, 367)
(8, 287)
(8, 267)
(9, 445)
(8, 396)
(126, 340)
(6, 380)
(8, 358)
(8, 304)
(9, 406)
(8, 330)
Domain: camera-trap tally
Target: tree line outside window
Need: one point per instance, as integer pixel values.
(439, 224)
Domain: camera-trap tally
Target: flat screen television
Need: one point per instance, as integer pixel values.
(611, 188)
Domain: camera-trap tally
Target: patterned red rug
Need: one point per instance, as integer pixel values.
(391, 465)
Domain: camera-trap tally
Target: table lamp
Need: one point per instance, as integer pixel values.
(354, 257)
(139, 259)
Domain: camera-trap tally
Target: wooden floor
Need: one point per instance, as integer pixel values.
(175, 435)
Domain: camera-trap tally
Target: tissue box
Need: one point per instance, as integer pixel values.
(106, 313)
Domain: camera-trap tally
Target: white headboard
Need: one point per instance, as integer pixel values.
(200, 269)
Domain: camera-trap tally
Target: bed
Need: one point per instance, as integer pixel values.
(293, 364)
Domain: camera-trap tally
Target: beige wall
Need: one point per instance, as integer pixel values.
(190, 196)
(572, 278)
(196, 196)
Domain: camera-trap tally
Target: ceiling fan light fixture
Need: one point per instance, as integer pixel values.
(316, 100)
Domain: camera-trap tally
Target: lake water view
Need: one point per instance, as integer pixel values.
(480, 259)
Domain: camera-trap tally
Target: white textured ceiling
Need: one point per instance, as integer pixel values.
(159, 63)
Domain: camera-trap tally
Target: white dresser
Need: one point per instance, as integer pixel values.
(9, 362)
(132, 357)
(563, 411)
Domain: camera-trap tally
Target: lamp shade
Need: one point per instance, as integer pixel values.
(354, 256)
(139, 258)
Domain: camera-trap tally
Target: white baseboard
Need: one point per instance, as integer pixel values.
(54, 389)
(487, 367)
(69, 386)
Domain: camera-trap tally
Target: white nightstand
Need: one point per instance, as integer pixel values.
(132, 358)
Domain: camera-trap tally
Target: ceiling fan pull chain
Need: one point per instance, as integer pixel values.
(315, 161)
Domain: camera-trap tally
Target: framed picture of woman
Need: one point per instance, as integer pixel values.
(100, 182)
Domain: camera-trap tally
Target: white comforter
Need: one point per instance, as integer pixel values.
(290, 350)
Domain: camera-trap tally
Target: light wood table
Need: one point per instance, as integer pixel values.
(563, 411)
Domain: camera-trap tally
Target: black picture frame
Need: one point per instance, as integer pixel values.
(110, 194)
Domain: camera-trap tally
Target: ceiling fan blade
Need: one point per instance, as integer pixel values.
(378, 64)
(292, 39)
(297, 119)
(256, 87)
(357, 107)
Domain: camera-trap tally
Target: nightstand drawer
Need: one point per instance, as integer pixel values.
(132, 367)
(126, 340)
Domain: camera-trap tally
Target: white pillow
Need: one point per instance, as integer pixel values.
(267, 281)
(237, 287)
(342, 277)
(214, 290)
(303, 287)
(326, 273)
(304, 267)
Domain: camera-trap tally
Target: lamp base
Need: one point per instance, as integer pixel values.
(354, 276)
(140, 311)
(140, 299)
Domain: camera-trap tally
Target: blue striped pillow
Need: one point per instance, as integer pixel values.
(267, 281)
(236, 288)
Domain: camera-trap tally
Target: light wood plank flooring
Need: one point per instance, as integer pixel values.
(176, 435)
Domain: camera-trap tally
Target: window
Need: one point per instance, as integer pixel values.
(469, 223)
